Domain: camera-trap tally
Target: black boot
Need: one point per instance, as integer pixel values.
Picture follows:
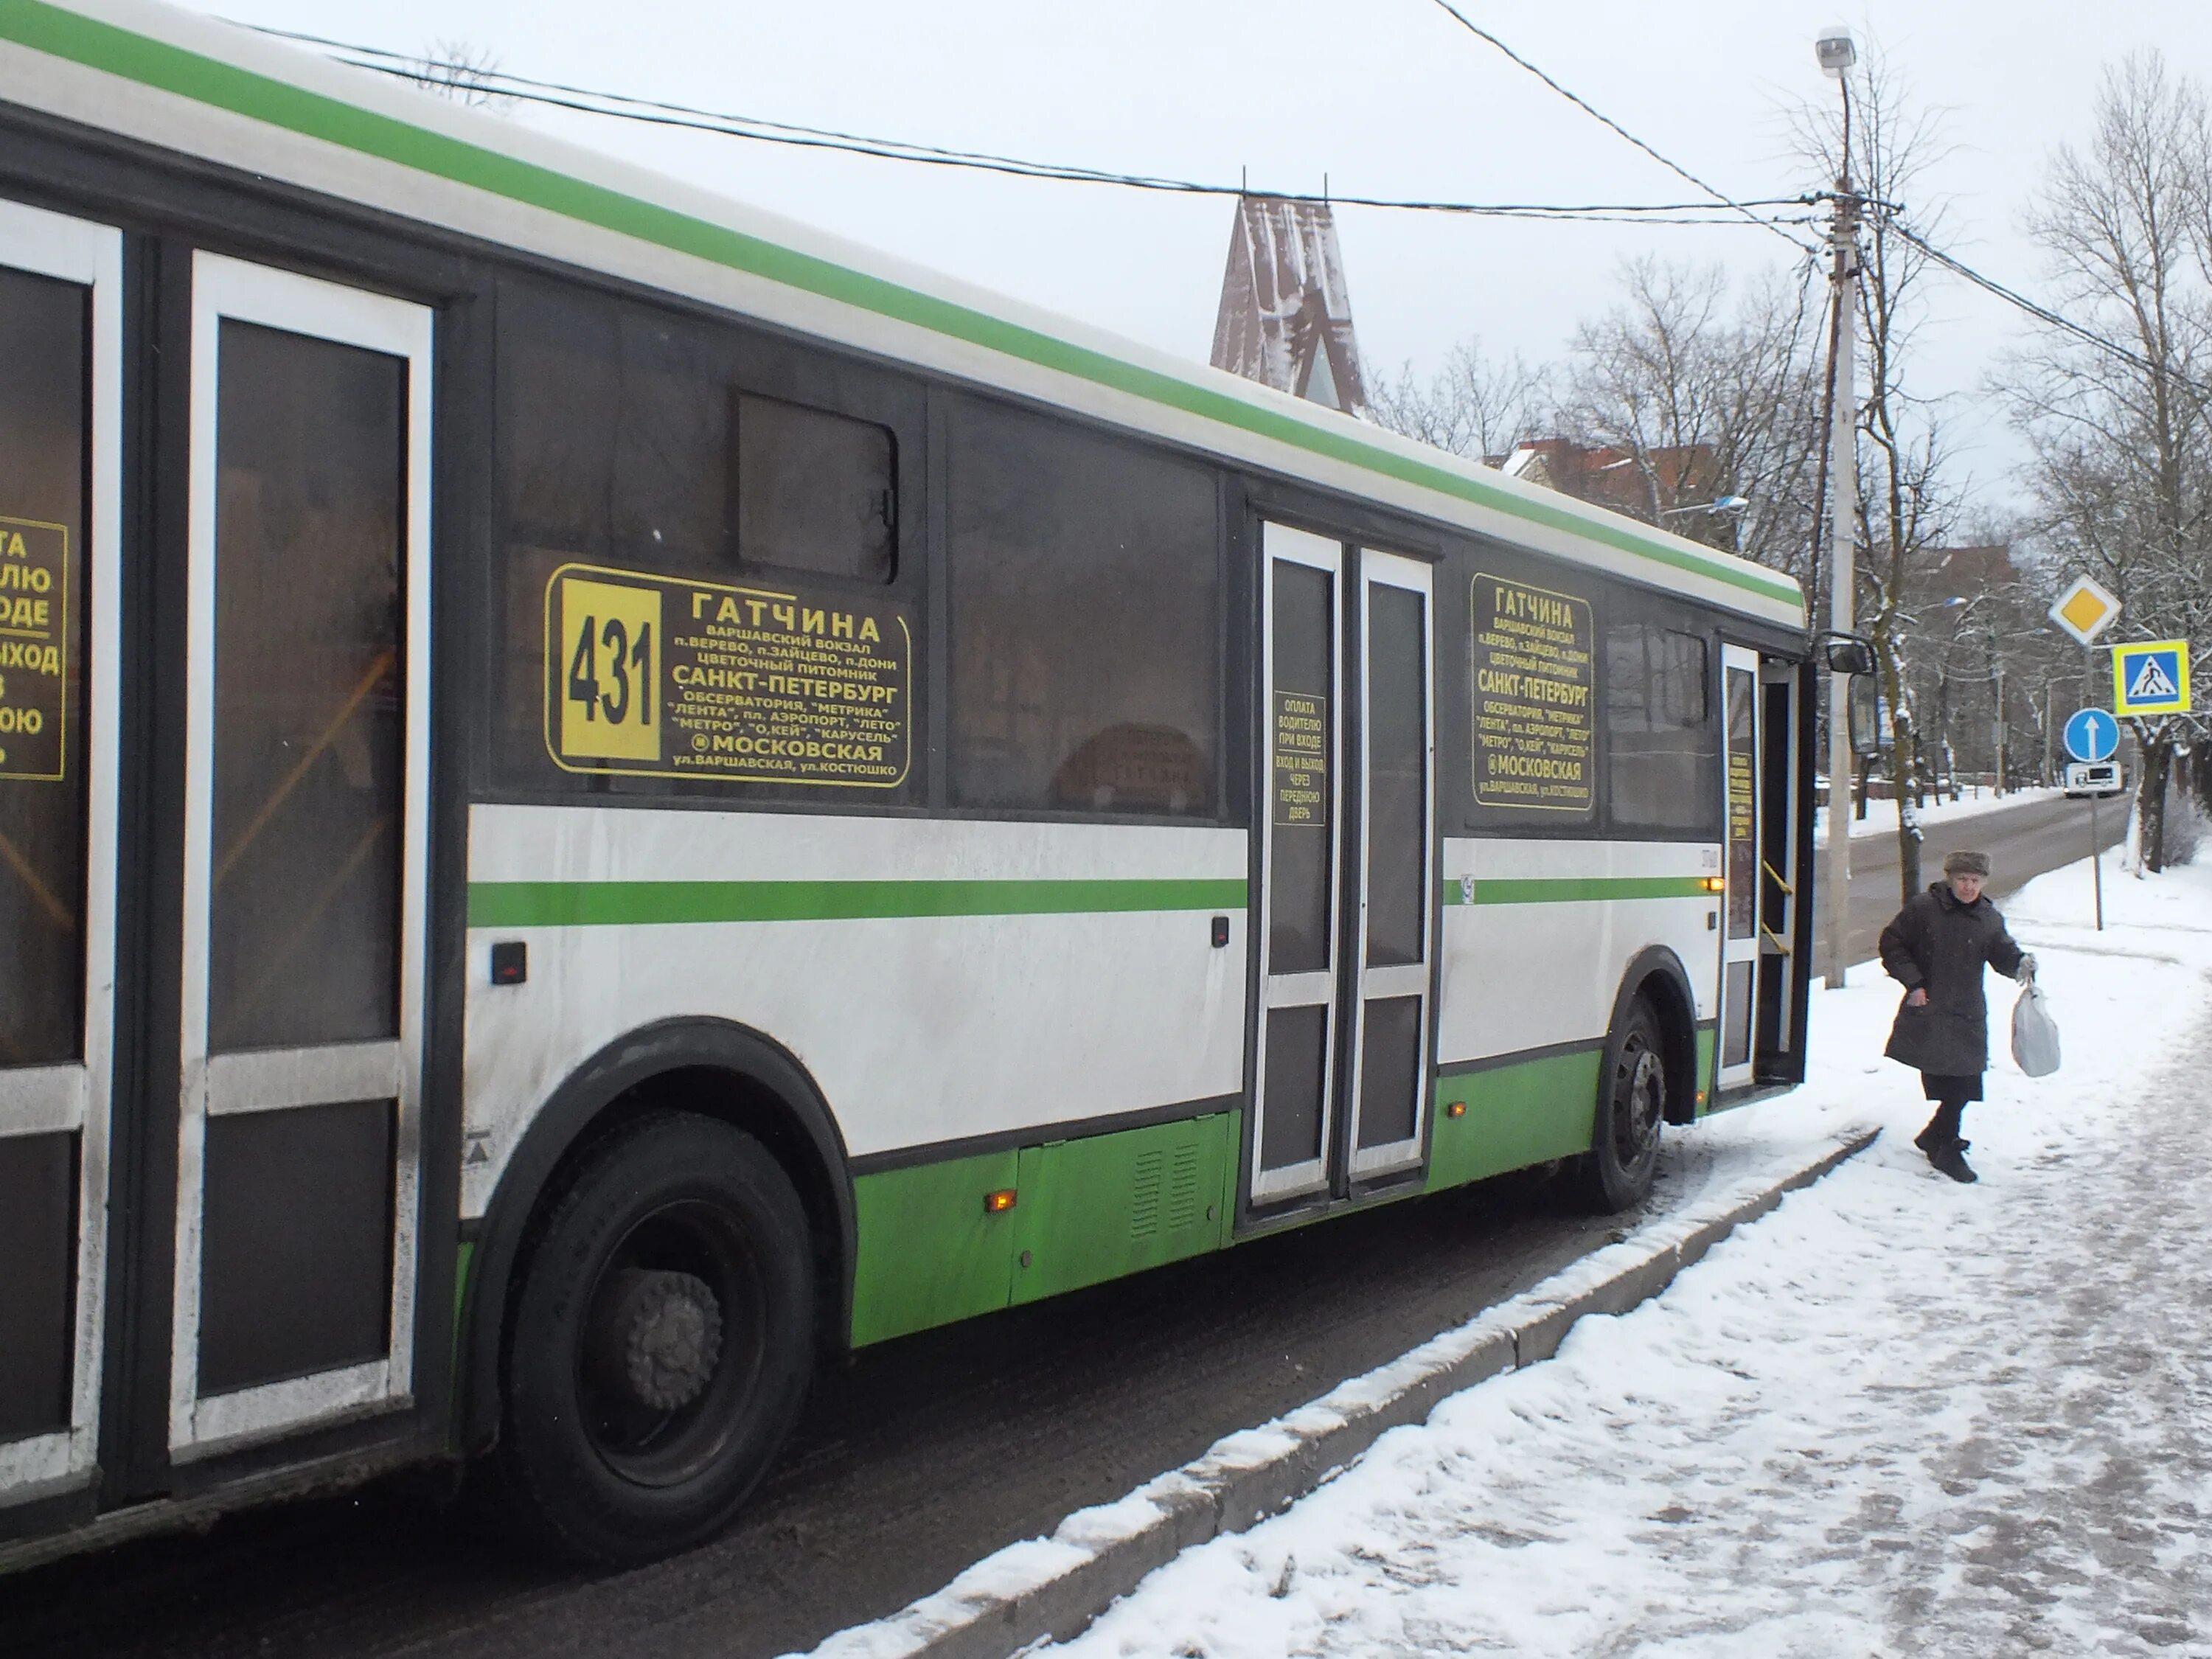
(1943, 1128)
(1950, 1156)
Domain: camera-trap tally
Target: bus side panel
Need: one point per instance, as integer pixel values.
(931, 1250)
(1537, 935)
(1518, 1114)
(939, 980)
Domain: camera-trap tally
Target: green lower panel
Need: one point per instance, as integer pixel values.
(1515, 1115)
(1111, 1205)
(929, 1251)
(1708, 1044)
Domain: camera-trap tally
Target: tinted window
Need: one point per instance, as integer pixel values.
(309, 746)
(815, 490)
(635, 443)
(1086, 595)
(43, 411)
(1659, 728)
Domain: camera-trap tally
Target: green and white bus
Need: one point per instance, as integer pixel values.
(603, 797)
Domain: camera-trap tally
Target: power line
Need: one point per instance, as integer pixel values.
(1597, 114)
(2043, 313)
(499, 83)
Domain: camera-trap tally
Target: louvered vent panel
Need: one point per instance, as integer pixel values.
(1145, 1200)
(1183, 1187)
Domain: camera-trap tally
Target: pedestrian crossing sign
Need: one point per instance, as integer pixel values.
(2151, 677)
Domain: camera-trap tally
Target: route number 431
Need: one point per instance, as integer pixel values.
(610, 686)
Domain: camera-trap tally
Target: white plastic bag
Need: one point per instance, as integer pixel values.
(2034, 1032)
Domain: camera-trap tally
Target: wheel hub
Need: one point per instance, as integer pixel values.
(1644, 1086)
(660, 1337)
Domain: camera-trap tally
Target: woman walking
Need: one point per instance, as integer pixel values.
(1935, 947)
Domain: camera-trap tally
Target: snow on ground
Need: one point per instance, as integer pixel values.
(1896, 1417)
(1881, 815)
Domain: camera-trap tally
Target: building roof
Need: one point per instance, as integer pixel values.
(1285, 318)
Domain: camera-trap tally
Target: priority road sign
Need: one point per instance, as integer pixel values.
(2092, 735)
(2151, 677)
(2084, 609)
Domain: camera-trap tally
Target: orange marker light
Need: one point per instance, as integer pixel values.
(1716, 884)
(1457, 1109)
(999, 1202)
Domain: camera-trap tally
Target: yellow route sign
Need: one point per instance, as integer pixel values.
(2084, 609)
(2151, 677)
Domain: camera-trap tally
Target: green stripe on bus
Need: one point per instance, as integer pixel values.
(116, 51)
(633, 903)
(1576, 890)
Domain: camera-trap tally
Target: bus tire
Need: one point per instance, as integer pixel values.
(1616, 1173)
(661, 1342)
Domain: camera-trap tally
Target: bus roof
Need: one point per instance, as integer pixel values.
(206, 88)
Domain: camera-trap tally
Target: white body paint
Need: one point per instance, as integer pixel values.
(1506, 986)
(918, 1030)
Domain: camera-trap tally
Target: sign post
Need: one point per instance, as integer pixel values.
(2091, 736)
(2086, 609)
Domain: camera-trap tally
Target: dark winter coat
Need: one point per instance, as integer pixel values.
(1939, 946)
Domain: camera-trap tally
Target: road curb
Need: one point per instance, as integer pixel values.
(1054, 1587)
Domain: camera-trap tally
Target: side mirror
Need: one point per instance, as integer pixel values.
(1865, 705)
(1847, 653)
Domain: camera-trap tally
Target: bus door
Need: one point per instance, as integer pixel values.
(1346, 928)
(1741, 931)
(1779, 877)
(60, 494)
(306, 760)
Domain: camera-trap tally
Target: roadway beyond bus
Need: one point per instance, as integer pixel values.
(2021, 841)
(922, 1456)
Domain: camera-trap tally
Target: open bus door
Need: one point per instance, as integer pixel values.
(1763, 917)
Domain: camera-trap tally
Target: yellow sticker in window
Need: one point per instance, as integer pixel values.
(611, 640)
(652, 674)
(35, 649)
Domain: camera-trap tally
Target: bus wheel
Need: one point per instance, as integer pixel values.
(1631, 1106)
(661, 1342)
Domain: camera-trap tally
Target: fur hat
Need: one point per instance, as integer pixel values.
(1966, 863)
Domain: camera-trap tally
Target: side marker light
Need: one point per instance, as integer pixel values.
(1716, 884)
(1457, 1109)
(999, 1202)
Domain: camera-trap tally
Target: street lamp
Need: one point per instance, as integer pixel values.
(1837, 53)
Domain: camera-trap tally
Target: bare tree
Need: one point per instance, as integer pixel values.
(1707, 394)
(1474, 405)
(2122, 438)
(464, 73)
(1906, 496)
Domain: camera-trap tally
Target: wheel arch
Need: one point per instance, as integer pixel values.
(1657, 973)
(717, 1068)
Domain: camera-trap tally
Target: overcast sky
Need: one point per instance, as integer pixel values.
(1386, 97)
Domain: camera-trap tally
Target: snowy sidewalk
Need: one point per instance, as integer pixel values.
(1898, 1416)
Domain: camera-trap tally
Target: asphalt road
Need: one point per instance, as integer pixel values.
(2022, 841)
(919, 1456)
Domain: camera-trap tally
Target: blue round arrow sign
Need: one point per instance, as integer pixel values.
(2092, 735)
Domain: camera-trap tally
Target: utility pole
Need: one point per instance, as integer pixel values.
(1837, 54)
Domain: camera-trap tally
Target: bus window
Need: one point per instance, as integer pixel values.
(1659, 728)
(1087, 602)
(643, 471)
(43, 326)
